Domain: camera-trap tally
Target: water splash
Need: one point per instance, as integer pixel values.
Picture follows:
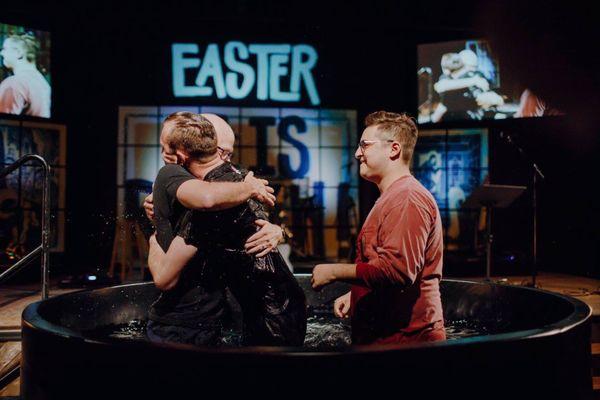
(327, 331)
(323, 331)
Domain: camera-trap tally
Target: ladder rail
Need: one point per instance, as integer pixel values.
(44, 248)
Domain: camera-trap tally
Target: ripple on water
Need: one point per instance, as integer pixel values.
(322, 331)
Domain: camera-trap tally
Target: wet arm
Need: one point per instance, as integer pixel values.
(166, 267)
(447, 85)
(201, 195)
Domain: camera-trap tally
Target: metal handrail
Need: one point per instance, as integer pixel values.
(44, 247)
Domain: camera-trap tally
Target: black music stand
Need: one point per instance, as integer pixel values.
(492, 196)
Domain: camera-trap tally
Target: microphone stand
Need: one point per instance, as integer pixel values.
(536, 173)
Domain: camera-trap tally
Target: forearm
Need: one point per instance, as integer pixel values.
(166, 267)
(201, 195)
(163, 280)
(452, 84)
(155, 259)
(439, 112)
(344, 273)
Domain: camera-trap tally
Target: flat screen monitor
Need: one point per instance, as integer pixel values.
(463, 80)
(25, 78)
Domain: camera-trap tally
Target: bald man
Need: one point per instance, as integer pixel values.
(273, 304)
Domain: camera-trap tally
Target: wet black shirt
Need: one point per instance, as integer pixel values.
(272, 302)
(197, 300)
(167, 209)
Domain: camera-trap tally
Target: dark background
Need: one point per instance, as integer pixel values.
(117, 54)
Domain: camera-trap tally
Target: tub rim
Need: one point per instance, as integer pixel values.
(32, 320)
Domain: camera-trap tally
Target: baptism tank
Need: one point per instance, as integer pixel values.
(504, 341)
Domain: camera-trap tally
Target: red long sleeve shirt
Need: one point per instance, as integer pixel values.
(399, 264)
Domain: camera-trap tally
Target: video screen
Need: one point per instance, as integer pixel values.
(462, 80)
(451, 164)
(25, 80)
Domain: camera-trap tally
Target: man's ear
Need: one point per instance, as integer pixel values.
(182, 157)
(395, 150)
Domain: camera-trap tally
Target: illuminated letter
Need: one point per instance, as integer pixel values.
(245, 70)
(278, 69)
(262, 52)
(211, 67)
(262, 125)
(283, 159)
(180, 64)
(302, 69)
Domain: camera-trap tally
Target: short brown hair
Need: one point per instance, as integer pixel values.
(400, 127)
(181, 116)
(184, 115)
(194, 135)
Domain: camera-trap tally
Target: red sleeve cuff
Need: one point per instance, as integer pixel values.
(361, 268)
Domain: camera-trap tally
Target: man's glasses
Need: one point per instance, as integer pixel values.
(363, 144)
(225, 154)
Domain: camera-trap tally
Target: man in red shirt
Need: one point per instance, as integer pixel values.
(395, 297)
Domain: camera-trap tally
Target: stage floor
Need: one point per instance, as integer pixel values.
(582, 288)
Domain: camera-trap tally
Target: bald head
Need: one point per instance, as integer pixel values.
(225, 136)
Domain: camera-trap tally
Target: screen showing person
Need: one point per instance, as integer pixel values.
(461, 80)
(25, 80)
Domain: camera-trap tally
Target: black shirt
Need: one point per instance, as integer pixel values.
(212, 231)
(273, 304)
(197, 300)
(167, 209)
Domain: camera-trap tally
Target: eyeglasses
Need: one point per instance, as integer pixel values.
(363, 144)
(225, 154)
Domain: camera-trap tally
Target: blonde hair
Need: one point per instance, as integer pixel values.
(28, 43)
(399, 127)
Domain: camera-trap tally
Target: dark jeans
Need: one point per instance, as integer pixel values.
(207, 335)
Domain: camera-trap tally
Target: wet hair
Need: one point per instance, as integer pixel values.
(29, 43)
(400, 127)
(177, 117)
(192, 134)
(187, 115)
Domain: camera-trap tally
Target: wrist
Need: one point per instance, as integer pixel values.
(251, 190)
(344, 272)
(335, 273)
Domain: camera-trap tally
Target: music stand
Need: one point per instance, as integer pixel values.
(492, 196)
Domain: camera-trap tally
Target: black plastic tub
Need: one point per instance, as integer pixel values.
(538, 345)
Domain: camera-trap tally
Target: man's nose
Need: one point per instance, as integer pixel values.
(358, 154)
